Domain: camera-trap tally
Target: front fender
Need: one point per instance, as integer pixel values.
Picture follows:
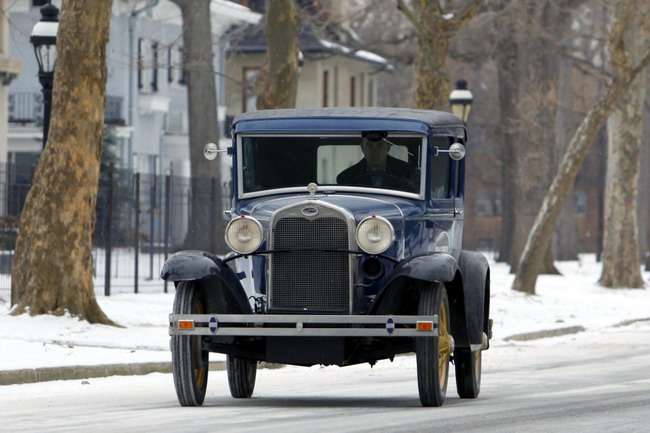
(192, 265)
(440, 267)
(218, 279)
(399, 295)
(467, 284)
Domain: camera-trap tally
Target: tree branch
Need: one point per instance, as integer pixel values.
(460, 19)
(408, 13)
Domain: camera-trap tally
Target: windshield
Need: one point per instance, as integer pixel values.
(390, 162)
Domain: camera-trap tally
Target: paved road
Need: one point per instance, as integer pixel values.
(580, 383)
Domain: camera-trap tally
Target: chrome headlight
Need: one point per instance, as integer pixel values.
(375, 234)
(244, 234)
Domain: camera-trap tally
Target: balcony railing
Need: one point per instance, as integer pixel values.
(27, 107)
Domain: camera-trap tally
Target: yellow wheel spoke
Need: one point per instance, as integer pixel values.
(445, 346)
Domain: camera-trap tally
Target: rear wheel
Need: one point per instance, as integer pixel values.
(241, 376)
(468, 372)
(189, 360)
(433, 353)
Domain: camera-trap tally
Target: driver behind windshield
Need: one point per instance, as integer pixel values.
(378, 169)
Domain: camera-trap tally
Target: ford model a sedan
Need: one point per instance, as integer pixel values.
(346, 239)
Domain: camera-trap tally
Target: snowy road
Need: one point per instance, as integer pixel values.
(580, 383)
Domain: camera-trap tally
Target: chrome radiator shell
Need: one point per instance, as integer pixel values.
(310, 269)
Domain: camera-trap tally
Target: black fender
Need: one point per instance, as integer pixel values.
(467, 299)
(399, 295)
(225, 293)
(430, 267)
(476, 286)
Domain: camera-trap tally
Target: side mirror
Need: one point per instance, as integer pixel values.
(211, 150)
(456, 151)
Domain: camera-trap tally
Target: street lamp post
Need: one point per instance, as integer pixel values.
(460, 101)
(44, 40)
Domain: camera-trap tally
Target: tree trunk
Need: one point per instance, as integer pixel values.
(531, 260)
(644, 191)
(277, 84)
(621, 259)
(529, 66)
(506, 59)
(53, 261)
(566, 240)
(435, 30)
(203, 126)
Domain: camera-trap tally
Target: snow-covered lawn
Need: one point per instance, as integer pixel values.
(572, 299)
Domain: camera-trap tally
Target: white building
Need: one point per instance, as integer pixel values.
(9, 70)
(146, 98)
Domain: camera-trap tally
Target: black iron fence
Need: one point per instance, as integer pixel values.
(141, 220)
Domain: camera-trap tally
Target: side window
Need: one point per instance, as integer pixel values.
(439, 170)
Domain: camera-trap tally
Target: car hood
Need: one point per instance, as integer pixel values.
(395, 209)
(360, 206)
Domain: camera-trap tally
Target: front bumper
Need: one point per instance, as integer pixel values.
(265, 325)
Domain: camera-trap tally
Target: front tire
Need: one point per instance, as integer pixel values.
(433, 353)
(189, 360)
(241, 376)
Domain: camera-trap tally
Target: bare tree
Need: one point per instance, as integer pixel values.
(203, 126)
(53, 261)
(435, 28)
(542, 230)
(621, 259)
(277, 84)
(530, 47)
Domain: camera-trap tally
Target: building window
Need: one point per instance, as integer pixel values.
(154, 66)
(147, 66)
(140, 65)
(362, 88)
(483, 205)
(581, 200)
(353, 91)
(249, 98)
(180, 63)
(175, 72)
(335, 85)
(170, 65)
(326, 80)
(487, 203)
(371, 93)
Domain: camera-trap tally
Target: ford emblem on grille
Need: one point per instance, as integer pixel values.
(309, 211)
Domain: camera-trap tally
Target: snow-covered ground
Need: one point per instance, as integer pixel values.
(571, 299)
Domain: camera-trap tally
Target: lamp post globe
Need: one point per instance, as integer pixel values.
(43, 38)
(460, 101)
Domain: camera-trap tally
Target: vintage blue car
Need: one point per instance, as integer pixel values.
(346, 238)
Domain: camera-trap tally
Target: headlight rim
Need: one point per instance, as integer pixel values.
(250, 219)
(376, 218)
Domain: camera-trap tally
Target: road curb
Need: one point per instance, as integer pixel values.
(631, 322)
(527, 336)
(76, 372)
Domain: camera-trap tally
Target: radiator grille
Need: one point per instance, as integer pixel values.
(310, 280)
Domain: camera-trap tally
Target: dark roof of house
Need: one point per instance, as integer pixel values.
(254, 41)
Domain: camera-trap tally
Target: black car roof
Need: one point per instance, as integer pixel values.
(430, 117)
